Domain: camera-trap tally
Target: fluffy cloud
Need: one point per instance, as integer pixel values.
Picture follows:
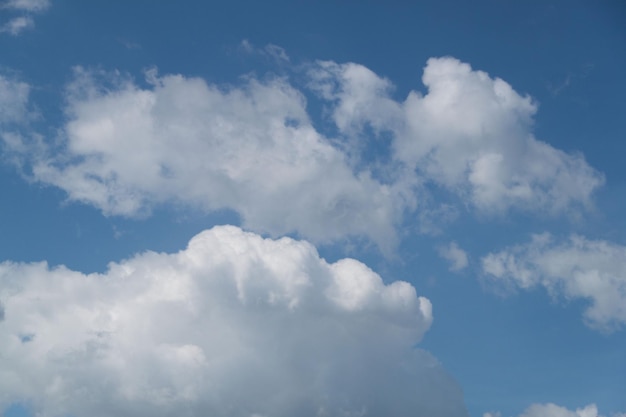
(470, 133)
(455, 255)
(234, 325)
(573, 268)
(251, 148)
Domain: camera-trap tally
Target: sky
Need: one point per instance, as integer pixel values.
(266, 209)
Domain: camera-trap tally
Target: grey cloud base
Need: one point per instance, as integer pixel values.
(234, 325)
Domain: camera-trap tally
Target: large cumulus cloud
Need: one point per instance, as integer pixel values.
(233, 325)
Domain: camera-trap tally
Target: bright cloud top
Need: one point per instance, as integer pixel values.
(574, 268)
(234, 325)
(470, 133)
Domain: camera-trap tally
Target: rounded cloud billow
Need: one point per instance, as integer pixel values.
(470, 133)
(233, 325)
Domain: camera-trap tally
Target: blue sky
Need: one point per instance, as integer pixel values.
(449, 177)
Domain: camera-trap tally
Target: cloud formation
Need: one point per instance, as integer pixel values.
(27, 5)
(553, 410)
(455, 256)
(18, 24)
(572, 268)
(250, 148)
(470, 133)
(13, 101)
(254, 149)
(234, 325)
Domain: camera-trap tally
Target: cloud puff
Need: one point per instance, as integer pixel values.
(470, 133)
(250, 148)
(455, 255)
(573, 268)
(234, 325)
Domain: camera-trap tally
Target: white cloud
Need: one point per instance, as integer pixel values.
(552, 410)
(574, 268)
(13, 101)
(16, 25)
(28, 5)
(234, 325)
(455, 255)
(470, 133)
(250, 148)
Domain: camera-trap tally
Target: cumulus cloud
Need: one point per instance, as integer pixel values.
(455, 255)
(470, 133)
(233, 325)
(253, 148)
(250, 148)
(573, 268)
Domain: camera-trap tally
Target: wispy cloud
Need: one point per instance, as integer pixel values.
(18, 24)
(271, 51)
(454, 255)
(574, 268)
